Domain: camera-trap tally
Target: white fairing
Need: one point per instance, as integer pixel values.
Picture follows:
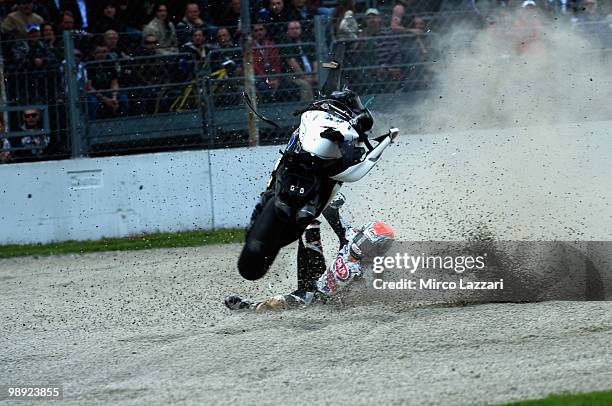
(313, 123)
(358, 171)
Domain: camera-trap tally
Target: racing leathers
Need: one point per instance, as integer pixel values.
(316, 282)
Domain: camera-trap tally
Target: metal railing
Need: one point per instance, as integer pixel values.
(389, 63)
(32, 103)
(174, 101)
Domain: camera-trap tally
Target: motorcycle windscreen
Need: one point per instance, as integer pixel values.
(334, 70)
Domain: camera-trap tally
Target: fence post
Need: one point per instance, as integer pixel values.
(205, 100)
(3, 98)
(74, 117)
(249, 76)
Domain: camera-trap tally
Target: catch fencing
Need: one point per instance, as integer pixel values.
(134, 95)
(32, 103)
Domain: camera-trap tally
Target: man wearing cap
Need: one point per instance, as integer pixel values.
(381, 51)
(17, 22)
(373, 28)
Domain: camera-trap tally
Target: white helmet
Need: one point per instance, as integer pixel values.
(373, 240)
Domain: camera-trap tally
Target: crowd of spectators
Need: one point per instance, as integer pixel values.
(127, 50)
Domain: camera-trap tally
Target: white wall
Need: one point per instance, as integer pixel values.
(523, 183)
(240, 175)
(104, 197)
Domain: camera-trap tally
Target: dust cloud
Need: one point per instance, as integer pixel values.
(511, 139)
(523, 70)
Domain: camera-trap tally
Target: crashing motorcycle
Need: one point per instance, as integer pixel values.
(330, 147)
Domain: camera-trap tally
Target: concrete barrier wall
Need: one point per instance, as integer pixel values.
(523, 183)
(239, 176)
(104, 197)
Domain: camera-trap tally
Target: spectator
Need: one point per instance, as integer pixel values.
(108, 20)
(266, 65)
(67, 24)
(148, 76)
(163, 30)
(190, 22)
(224, 38)
(56, 46)
(345, 25)
(196, 47)
(225, 63)
(300, 60)
(148, 47)
(115, 55)
(400, 20)
(5, 145)
(67, 21)
(420, 48)
(34, 54)
(35, 143)
(191, 62)
(276, 22)
(81, 73)
(197, 51)
(373, 26)
(227, 55)
(80, 10)
(377, 35)
(115, 51)
(304, 12)
(380, 54)
(102, 87)
(16, 22)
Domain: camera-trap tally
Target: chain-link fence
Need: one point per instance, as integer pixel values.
(286, 68)
(84, 94)
(32, 122)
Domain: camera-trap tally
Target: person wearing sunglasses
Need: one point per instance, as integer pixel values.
(5, 145)
(163, 29)
(35, 143)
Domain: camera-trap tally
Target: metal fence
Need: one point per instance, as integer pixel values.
(32, 122)
(103, 96)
